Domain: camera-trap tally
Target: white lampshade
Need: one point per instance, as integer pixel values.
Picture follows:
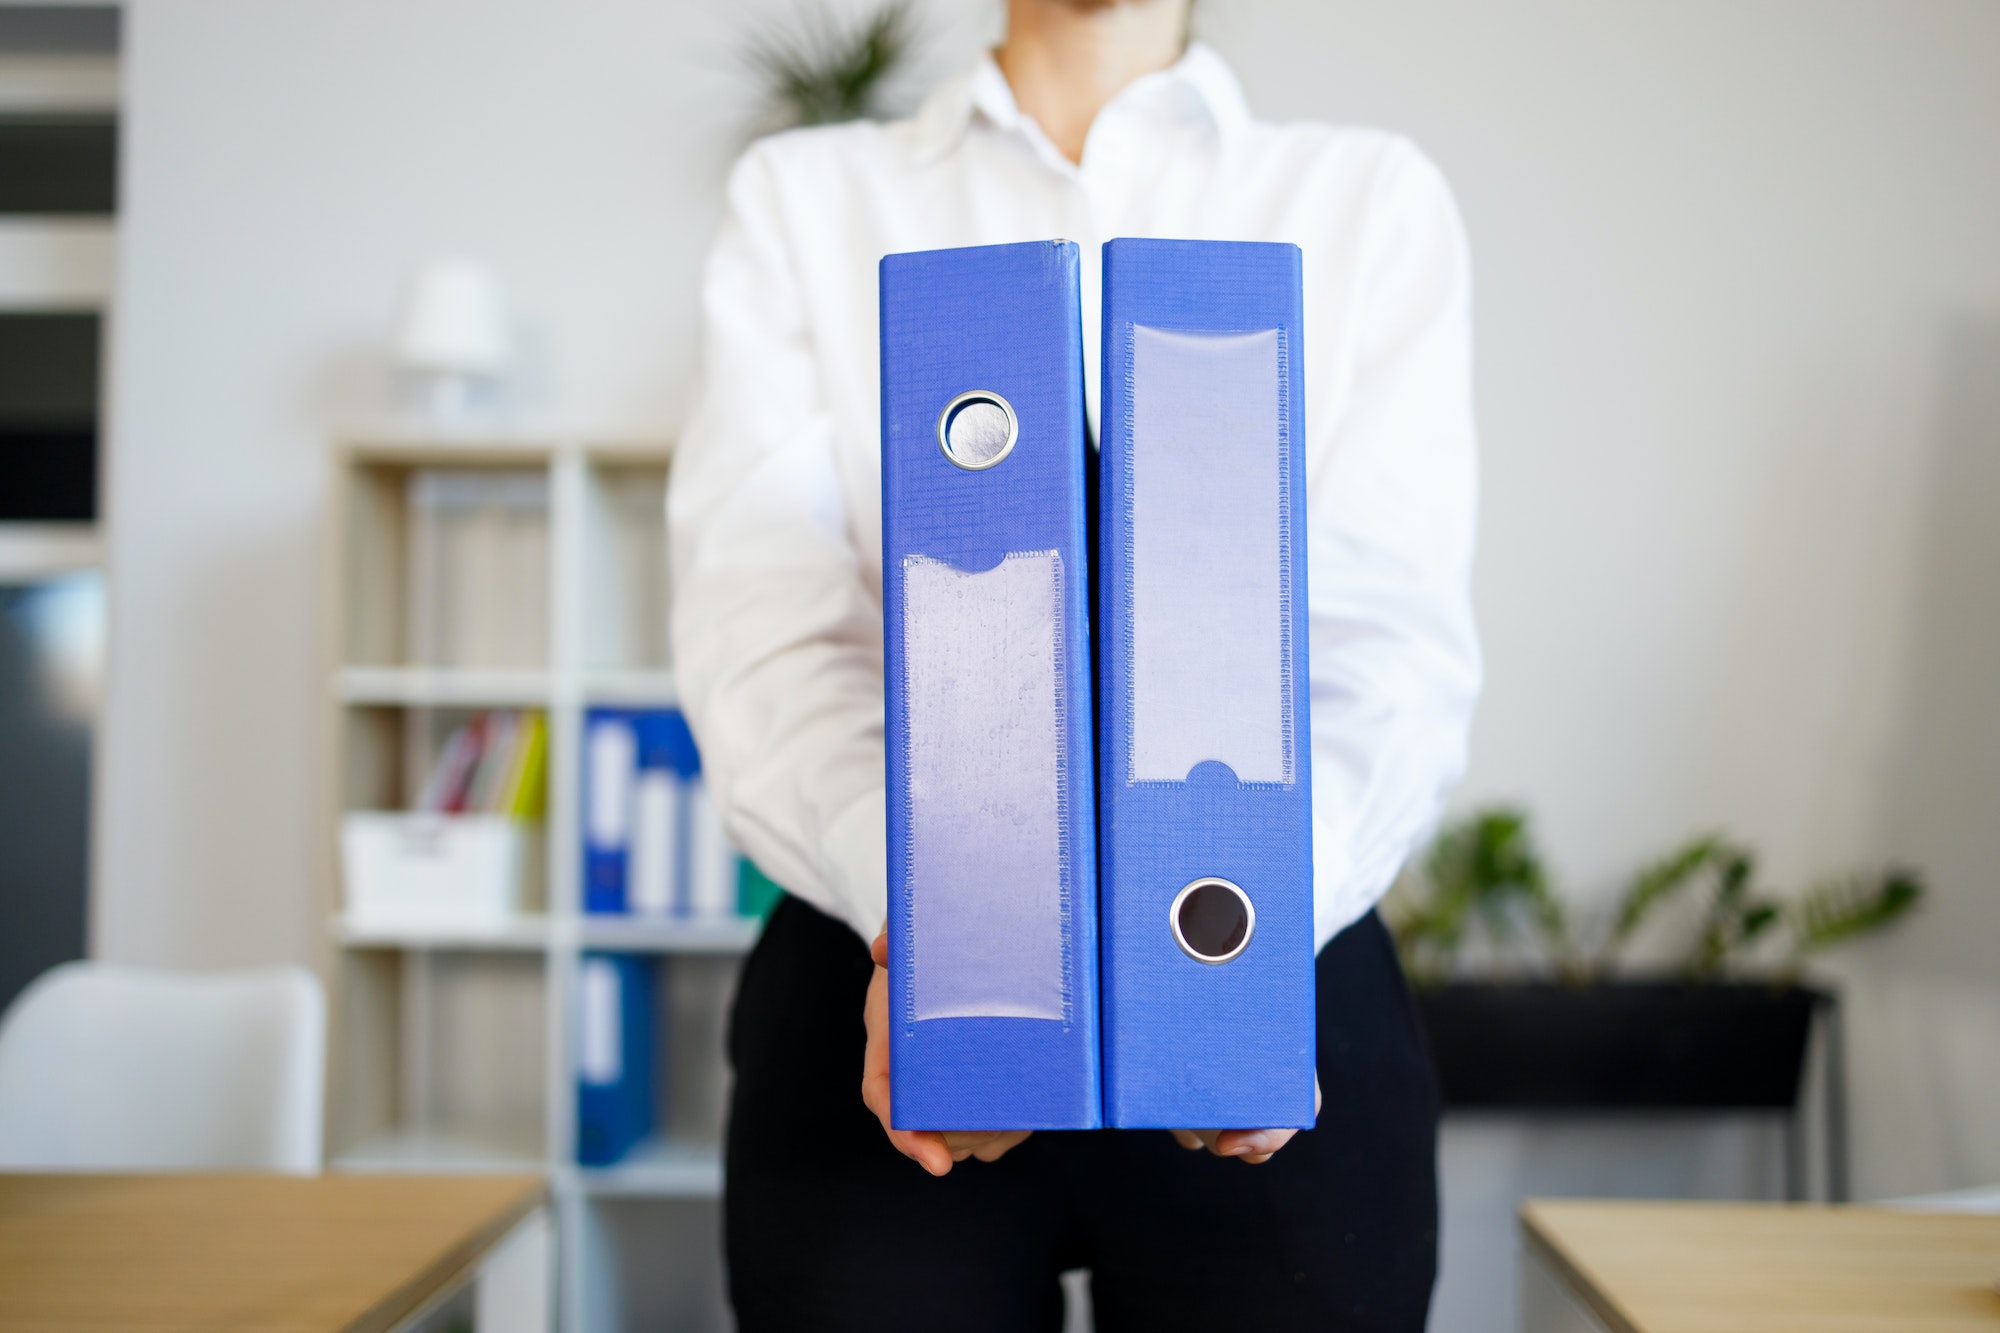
(456, 322)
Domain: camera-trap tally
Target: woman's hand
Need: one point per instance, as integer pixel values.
(933, 1151)
(1252, 1145)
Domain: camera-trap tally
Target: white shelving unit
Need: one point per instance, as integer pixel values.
(452, 1049)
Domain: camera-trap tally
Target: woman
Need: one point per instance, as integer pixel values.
(1091, 120)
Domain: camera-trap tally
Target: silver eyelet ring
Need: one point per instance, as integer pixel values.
(968, 399)
(1249, 919)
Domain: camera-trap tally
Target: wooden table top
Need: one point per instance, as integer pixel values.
(309, 1254)
(1771, 1268)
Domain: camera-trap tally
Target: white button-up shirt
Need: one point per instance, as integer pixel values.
(774, 507)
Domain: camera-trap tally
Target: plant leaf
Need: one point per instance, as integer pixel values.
(1661, 880)
(1839, 910)
(1483, 870)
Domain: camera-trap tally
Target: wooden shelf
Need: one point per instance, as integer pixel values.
(416, 447)
(603, 685)
(616, 934)
(659, 1170)
(463, 1028)
(523, 934)
(628, 453)
(446, 1152)
(419, 687)
(393, 448)
(624, 934)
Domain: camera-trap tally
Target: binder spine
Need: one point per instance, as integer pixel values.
(1205, 776)
(989, 746)
(616, 1082)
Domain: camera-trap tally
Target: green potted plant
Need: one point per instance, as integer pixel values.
(819, 66)
(1521, 1012)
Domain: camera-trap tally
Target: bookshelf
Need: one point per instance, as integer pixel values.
(452, 1048)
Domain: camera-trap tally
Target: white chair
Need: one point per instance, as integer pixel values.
(111, 1068)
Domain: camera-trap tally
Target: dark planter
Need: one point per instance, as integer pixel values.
(1658, 1045)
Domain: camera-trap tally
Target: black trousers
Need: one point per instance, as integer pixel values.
(828, 1227)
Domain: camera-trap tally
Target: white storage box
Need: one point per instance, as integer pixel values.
(428, 871)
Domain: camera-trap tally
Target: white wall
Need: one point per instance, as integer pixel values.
(1739, 320)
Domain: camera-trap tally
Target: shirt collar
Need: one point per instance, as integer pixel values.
(1200, 77)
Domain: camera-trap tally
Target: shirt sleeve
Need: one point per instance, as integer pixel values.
(1391, 515)
(777, 627)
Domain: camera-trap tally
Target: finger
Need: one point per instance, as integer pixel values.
(998, 1147)
(879, 950)
(924, 1148)
(1187, 1138)
(1249, 1144)
(976, 1143)
(875, 1094)
(1255, 1146)
(875, 1054)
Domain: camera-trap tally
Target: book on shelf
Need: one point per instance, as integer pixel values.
(468, 854)
(478, 569)
(625, 606)
(654, 845)
(495, 764)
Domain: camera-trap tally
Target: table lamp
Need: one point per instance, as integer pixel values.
(454, 335)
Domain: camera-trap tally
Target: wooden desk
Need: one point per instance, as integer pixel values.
(283, 1253)
(1756, 1268)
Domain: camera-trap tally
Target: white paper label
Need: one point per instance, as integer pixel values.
(651, 890)
(983, 657)
(1210, 670)
(600, 1046)
(614, 752)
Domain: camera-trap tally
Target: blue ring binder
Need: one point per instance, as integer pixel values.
(986, 653)
(1205, 755)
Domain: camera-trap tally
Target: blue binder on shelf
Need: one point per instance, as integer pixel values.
(992, 849)
(610, 775)
(615, 1094)
(657, 867)
(1204, 784)
(639, 764)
